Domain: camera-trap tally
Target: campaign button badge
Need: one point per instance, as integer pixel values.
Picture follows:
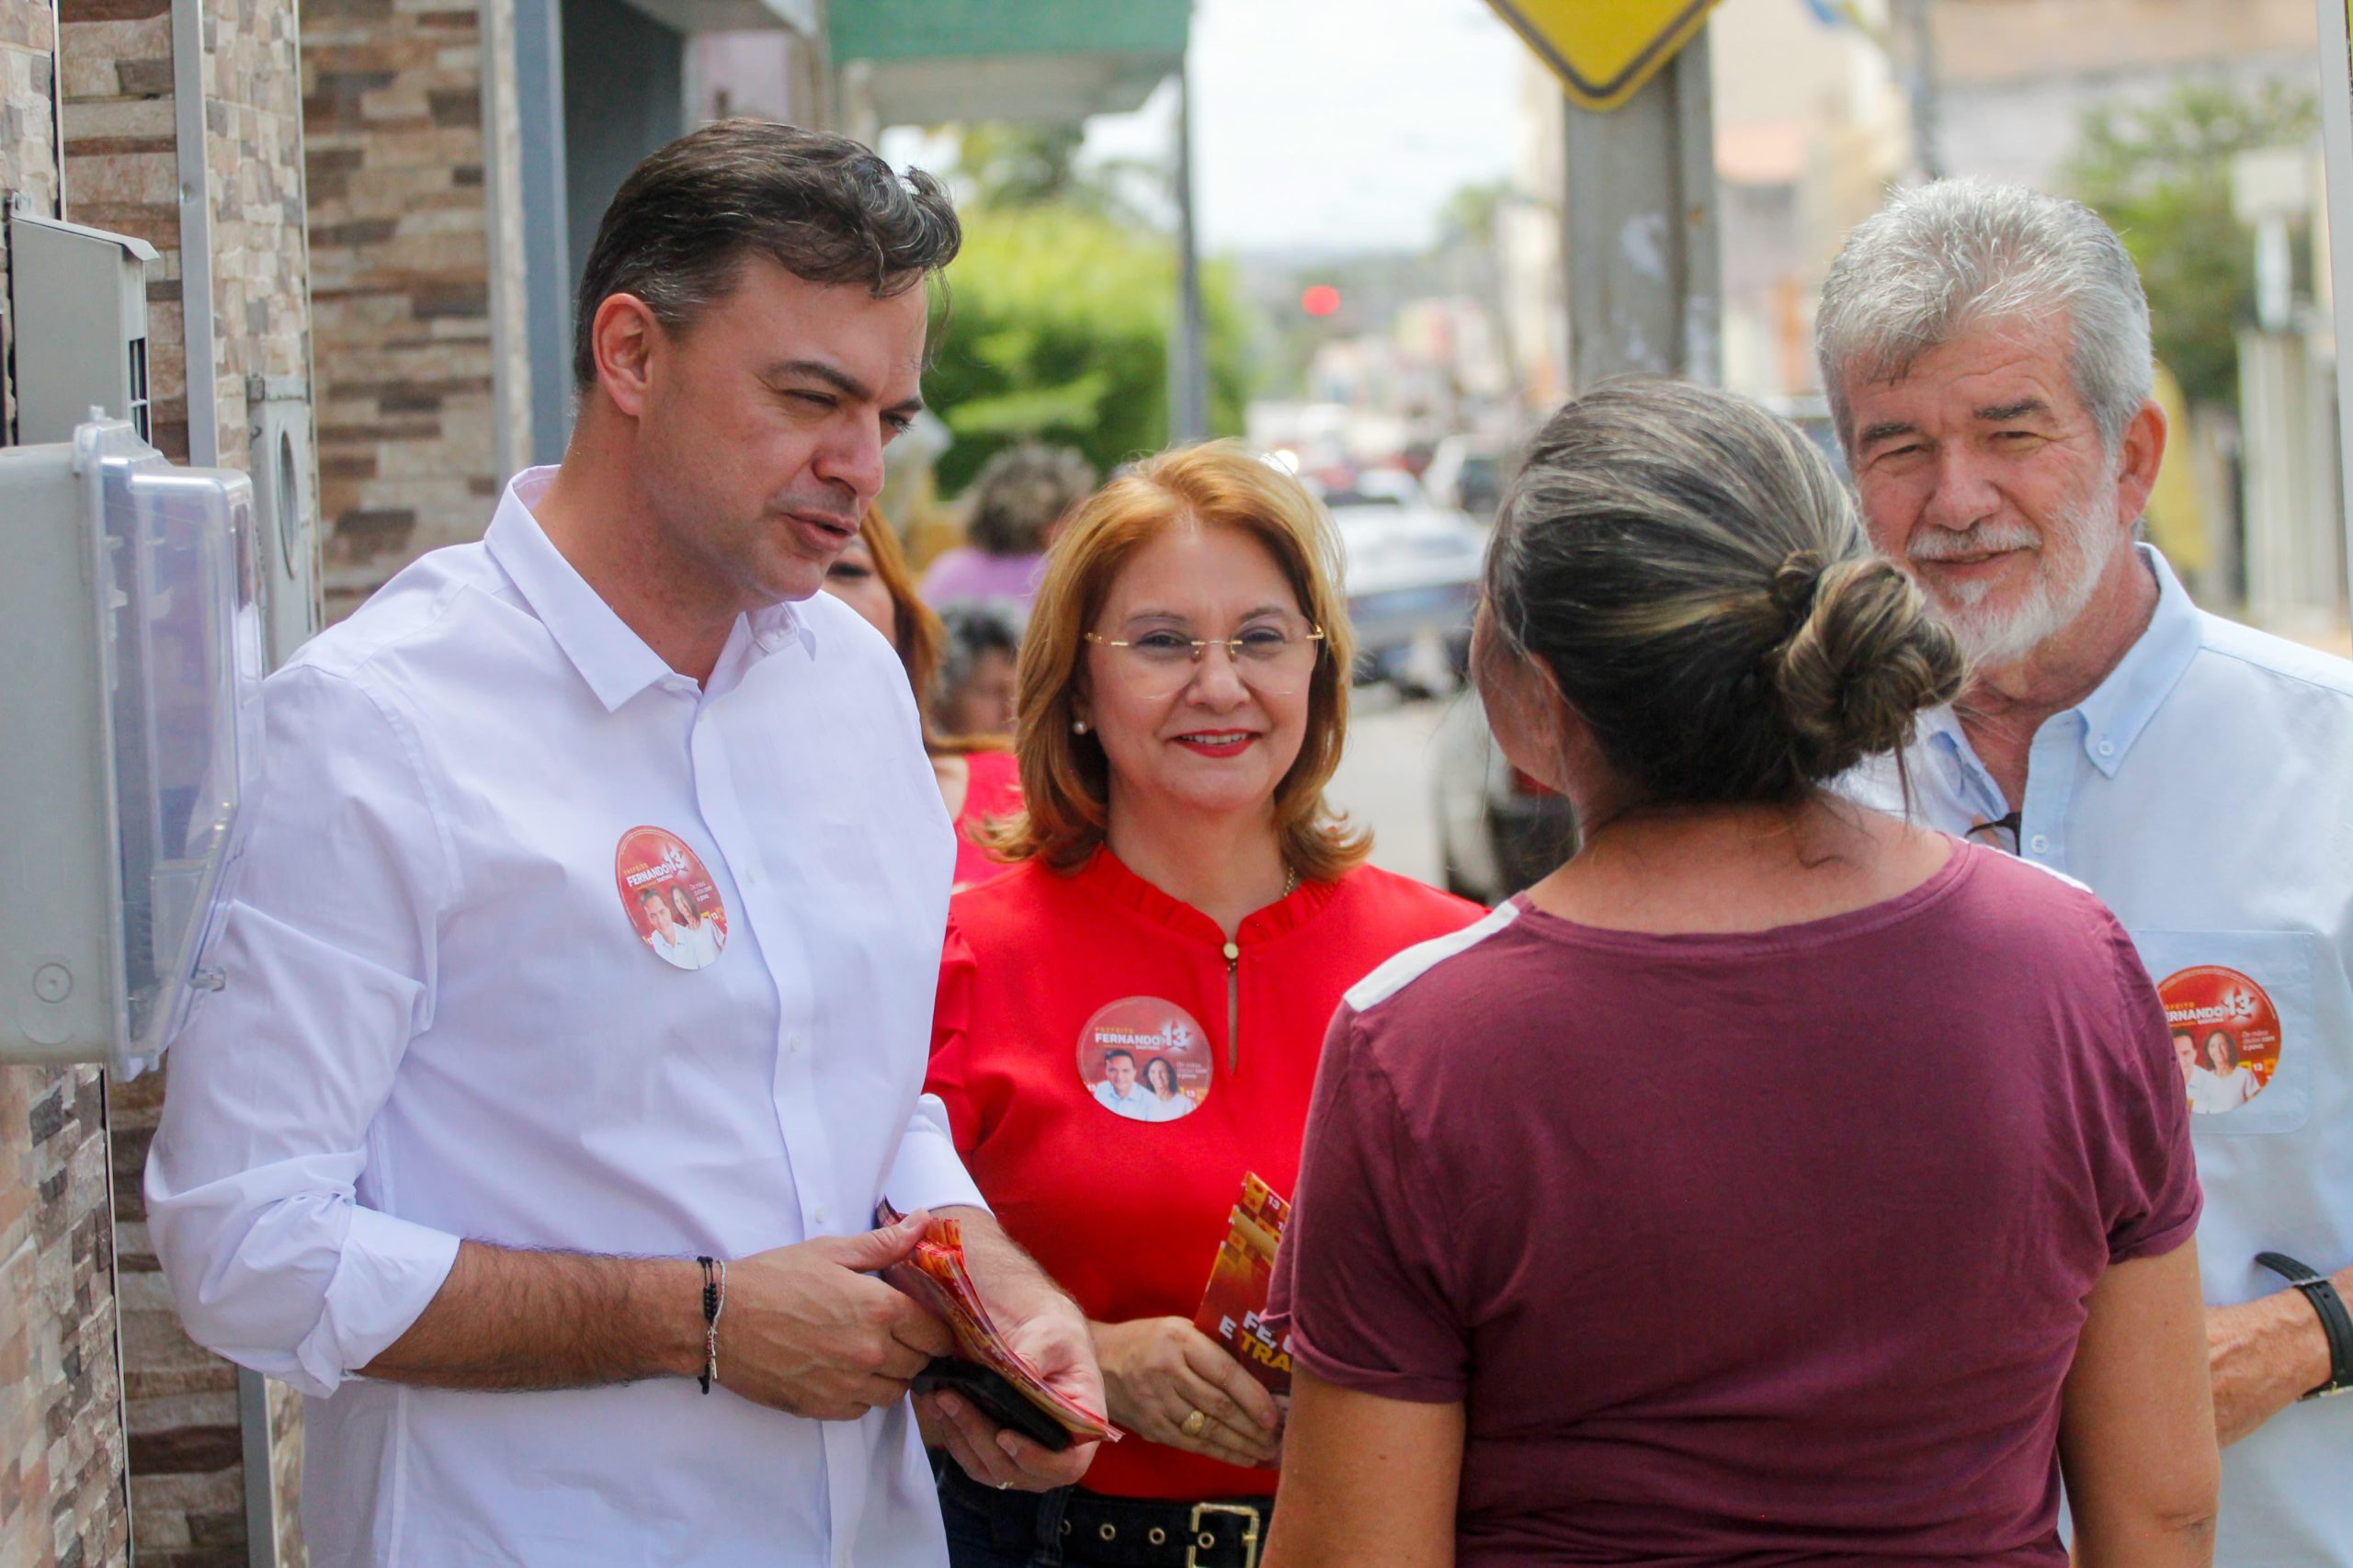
(2226, 1036)
(1144, 1059)
(671, 902)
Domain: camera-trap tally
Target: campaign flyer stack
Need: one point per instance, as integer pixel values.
(1234, 1308)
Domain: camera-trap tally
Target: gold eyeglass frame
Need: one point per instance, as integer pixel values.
(1201, 645)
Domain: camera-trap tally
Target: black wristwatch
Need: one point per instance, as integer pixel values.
(2333, 1320)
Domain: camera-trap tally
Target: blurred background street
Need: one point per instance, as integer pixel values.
(1386, 776)
(1378, 241)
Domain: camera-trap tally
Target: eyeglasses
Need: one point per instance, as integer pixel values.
(2002, 833)
(1275, 654)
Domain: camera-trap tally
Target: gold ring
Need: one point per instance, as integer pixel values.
(1194, 1423)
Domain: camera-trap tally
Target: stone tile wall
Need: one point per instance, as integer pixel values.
(27, 137)
(401, 254)
(62, 1449)
(123, 171)
(62, 1496)
(186, 1462)
(186, 1482)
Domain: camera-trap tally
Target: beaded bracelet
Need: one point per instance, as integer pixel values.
(714, 1301)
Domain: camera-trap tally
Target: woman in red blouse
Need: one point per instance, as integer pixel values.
(1183, 908)
(977, 776)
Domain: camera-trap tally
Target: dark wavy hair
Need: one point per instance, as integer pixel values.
(822, 206)
(1691, 572)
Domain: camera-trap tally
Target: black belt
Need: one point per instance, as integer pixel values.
(1132, 1532)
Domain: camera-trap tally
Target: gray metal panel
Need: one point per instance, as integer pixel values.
(624, 98)
(547, 327)
(2336, 138)
(79, 299)
(286, 519)
(1640, 241)
(58, 915)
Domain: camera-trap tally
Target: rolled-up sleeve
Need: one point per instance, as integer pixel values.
(927, 1173)
(252, 1183)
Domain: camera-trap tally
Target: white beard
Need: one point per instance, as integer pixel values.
(2075, 552)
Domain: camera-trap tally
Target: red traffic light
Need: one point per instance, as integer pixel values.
(1321, 300)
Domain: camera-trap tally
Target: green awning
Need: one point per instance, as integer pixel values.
(978, 29)
(927, 62)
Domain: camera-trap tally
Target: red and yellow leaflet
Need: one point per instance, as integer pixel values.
(936, 1275)
(1234, 1308)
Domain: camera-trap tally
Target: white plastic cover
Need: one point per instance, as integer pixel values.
(181, 624)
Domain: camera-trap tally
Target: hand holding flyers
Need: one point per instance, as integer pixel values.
(935, 1274)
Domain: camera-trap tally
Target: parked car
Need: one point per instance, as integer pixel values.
(1413, 582)
(1498, 830)
(1467, 473)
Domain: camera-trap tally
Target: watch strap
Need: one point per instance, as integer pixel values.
(2335, 1321)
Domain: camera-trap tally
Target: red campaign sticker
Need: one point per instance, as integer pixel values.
(2225, 1034)
(671, 902)
(1145, 1060)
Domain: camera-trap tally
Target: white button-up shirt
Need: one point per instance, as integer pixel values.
(441, 1021)
(2205, 792)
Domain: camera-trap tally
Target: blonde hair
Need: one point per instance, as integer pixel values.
(1064, 777)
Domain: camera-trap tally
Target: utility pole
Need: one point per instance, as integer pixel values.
(2336, 140)
(1188, 381)
(1639, 235)
(1920, 73)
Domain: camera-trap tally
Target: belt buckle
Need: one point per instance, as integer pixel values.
(1251, 1519)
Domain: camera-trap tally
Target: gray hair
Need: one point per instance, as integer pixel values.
(1690, 570)
(1022, 491)
(974, 627)
(1956, 253)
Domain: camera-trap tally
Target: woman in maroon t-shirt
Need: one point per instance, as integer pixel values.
(1775, 1183)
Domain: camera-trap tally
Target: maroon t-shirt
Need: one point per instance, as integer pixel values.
(1743, 1249)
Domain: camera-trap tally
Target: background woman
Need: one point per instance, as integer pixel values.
(1775, 1181)
(978, 777)
(1180, 884)
(1019, 498)
(980, 662)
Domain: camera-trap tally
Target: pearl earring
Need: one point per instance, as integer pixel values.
(1078, 726)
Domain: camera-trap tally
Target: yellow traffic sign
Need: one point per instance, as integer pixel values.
(1603, 51)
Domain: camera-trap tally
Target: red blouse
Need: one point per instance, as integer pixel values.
(1123, 1198)
(991, 788)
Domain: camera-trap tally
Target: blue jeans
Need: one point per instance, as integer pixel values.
(1000, 1530)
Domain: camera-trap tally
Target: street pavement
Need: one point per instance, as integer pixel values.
(1384, 780)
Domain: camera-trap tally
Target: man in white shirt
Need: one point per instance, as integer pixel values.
(446, 1150)
(1986, 353)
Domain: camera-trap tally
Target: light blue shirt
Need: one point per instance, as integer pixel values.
(2205, 792)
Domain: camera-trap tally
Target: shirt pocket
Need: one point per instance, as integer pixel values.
(2255, 989)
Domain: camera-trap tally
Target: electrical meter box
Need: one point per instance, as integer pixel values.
(78, 300)
(132, 632)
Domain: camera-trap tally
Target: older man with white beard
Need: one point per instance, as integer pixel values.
(1986, 353)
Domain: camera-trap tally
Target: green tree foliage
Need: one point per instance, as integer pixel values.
(2161, 176)
(1059, 311)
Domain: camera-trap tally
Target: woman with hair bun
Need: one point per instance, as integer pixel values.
(1775, 1182)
